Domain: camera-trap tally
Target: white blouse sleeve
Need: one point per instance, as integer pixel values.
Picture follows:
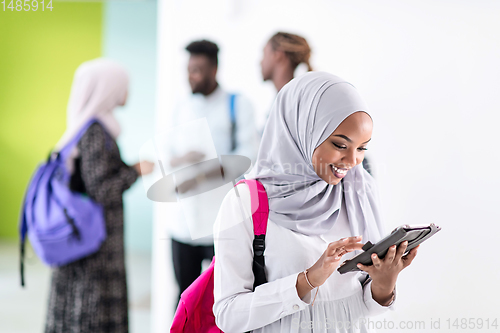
(372, 306)
(236, 307)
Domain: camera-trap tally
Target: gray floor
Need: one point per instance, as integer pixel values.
(23, 310)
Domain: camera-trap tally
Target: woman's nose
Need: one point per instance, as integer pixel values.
(349, 159)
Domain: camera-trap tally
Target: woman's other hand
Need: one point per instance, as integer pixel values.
(327, 264)
(144, 167)
(384, 272)
(331, 259)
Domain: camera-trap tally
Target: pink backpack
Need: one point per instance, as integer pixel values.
(194, 312)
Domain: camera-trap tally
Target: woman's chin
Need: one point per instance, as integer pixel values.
(331, 180)
(336, 182)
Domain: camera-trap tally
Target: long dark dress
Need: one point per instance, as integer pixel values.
(90, 295)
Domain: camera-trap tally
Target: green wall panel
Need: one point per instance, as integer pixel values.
(39, 53)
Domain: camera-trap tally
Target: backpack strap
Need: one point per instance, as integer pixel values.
(232, 115)
(260, 214)
(23, 229)
(66, 150)
(23, 225)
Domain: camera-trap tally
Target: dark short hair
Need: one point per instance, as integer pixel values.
(206, 48)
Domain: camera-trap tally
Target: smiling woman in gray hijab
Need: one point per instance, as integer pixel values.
(305, 115)
(322, 203)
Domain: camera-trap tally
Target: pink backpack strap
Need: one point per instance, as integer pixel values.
(260, 209)
(260, 205)
(195, 310)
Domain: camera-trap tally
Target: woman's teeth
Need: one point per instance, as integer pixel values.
(340, 171)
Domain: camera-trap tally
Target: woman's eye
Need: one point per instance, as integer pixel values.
(339, 146)
(344, 147)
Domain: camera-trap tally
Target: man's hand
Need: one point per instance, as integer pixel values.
(144, 167)
(190, 157)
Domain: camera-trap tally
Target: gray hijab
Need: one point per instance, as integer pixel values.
(305, 113)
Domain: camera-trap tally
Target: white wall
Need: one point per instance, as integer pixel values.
(429, 70)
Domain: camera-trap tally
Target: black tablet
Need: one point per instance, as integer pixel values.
(413, 234)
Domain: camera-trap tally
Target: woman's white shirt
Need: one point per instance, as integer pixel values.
(344, 299)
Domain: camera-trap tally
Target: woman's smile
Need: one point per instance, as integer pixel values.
(338, 172)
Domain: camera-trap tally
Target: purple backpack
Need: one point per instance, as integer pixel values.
(194, 313)
(62, 225)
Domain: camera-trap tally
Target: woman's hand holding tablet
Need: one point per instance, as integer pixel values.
(413, 234)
